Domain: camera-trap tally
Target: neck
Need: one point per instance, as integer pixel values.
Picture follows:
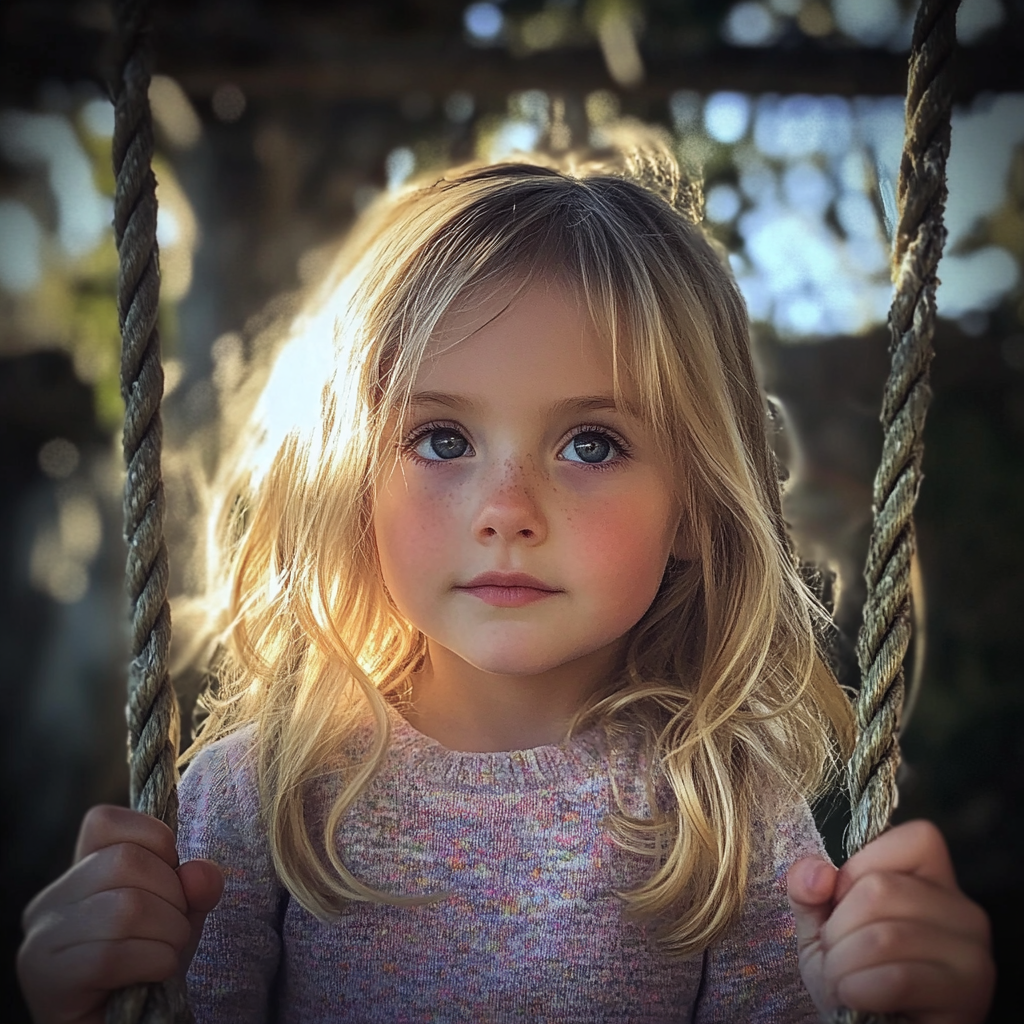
(465, 708)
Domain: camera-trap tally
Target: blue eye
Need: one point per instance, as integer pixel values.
(593, 447)
(446, 443)
(436, 443)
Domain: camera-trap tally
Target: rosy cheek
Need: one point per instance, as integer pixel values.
(412, 525)
(621, 541)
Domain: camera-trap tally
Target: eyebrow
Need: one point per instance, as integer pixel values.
(579, 403)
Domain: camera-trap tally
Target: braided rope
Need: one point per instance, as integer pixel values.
(920, 235)
(152, 710)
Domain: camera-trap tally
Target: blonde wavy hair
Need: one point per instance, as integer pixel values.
(724, 682)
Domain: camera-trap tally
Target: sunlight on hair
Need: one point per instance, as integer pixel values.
(292, 402)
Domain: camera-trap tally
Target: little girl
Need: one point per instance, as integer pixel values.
(520, 702)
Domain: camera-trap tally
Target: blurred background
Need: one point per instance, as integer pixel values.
(278, 122)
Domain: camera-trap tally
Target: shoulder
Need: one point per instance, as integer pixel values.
(229, 762)
(783, 831)
(218, 793)
(236, 748)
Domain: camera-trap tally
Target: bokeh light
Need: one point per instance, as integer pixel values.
(870, 22)
(976, 18)
(483, 22)
(722, 203)
(750, 24)
(400, 163)
(459, 107)
(29, 139)
(21, 262)
(726, 116)
(228, 102)
(58, 458)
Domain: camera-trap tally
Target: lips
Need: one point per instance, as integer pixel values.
(508, 579)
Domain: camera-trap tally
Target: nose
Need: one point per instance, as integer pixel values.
(509, 506)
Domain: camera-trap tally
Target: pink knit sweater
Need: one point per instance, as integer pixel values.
(532, 930)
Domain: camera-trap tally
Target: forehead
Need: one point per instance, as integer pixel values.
(539, 333)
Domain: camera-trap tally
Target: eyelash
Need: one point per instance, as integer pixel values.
(412, 440)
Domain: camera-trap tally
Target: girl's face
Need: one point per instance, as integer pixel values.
(511, 465)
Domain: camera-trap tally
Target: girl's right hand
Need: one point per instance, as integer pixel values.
(125, 913)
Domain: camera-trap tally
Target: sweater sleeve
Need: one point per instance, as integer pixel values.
(752, 973)
(232, 975)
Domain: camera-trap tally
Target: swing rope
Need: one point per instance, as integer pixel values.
(917, 246)
(152, 710)
(920, 234)
(885, 635)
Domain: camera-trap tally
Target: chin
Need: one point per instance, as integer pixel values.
(520, 659)
(510, 665)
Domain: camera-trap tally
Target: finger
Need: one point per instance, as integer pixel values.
(48, 1001)
(106, 825)
(890, 896)
(810, 884)
(890, 942)
(915, 848)
(76, 981)
(203, 882)
(120, 914)
(108, 965)
(913, 987)
(123, 865)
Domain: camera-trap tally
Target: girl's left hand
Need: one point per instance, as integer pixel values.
(891, 932)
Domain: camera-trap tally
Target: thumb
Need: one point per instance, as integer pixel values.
(811, 883)
(202, 882)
